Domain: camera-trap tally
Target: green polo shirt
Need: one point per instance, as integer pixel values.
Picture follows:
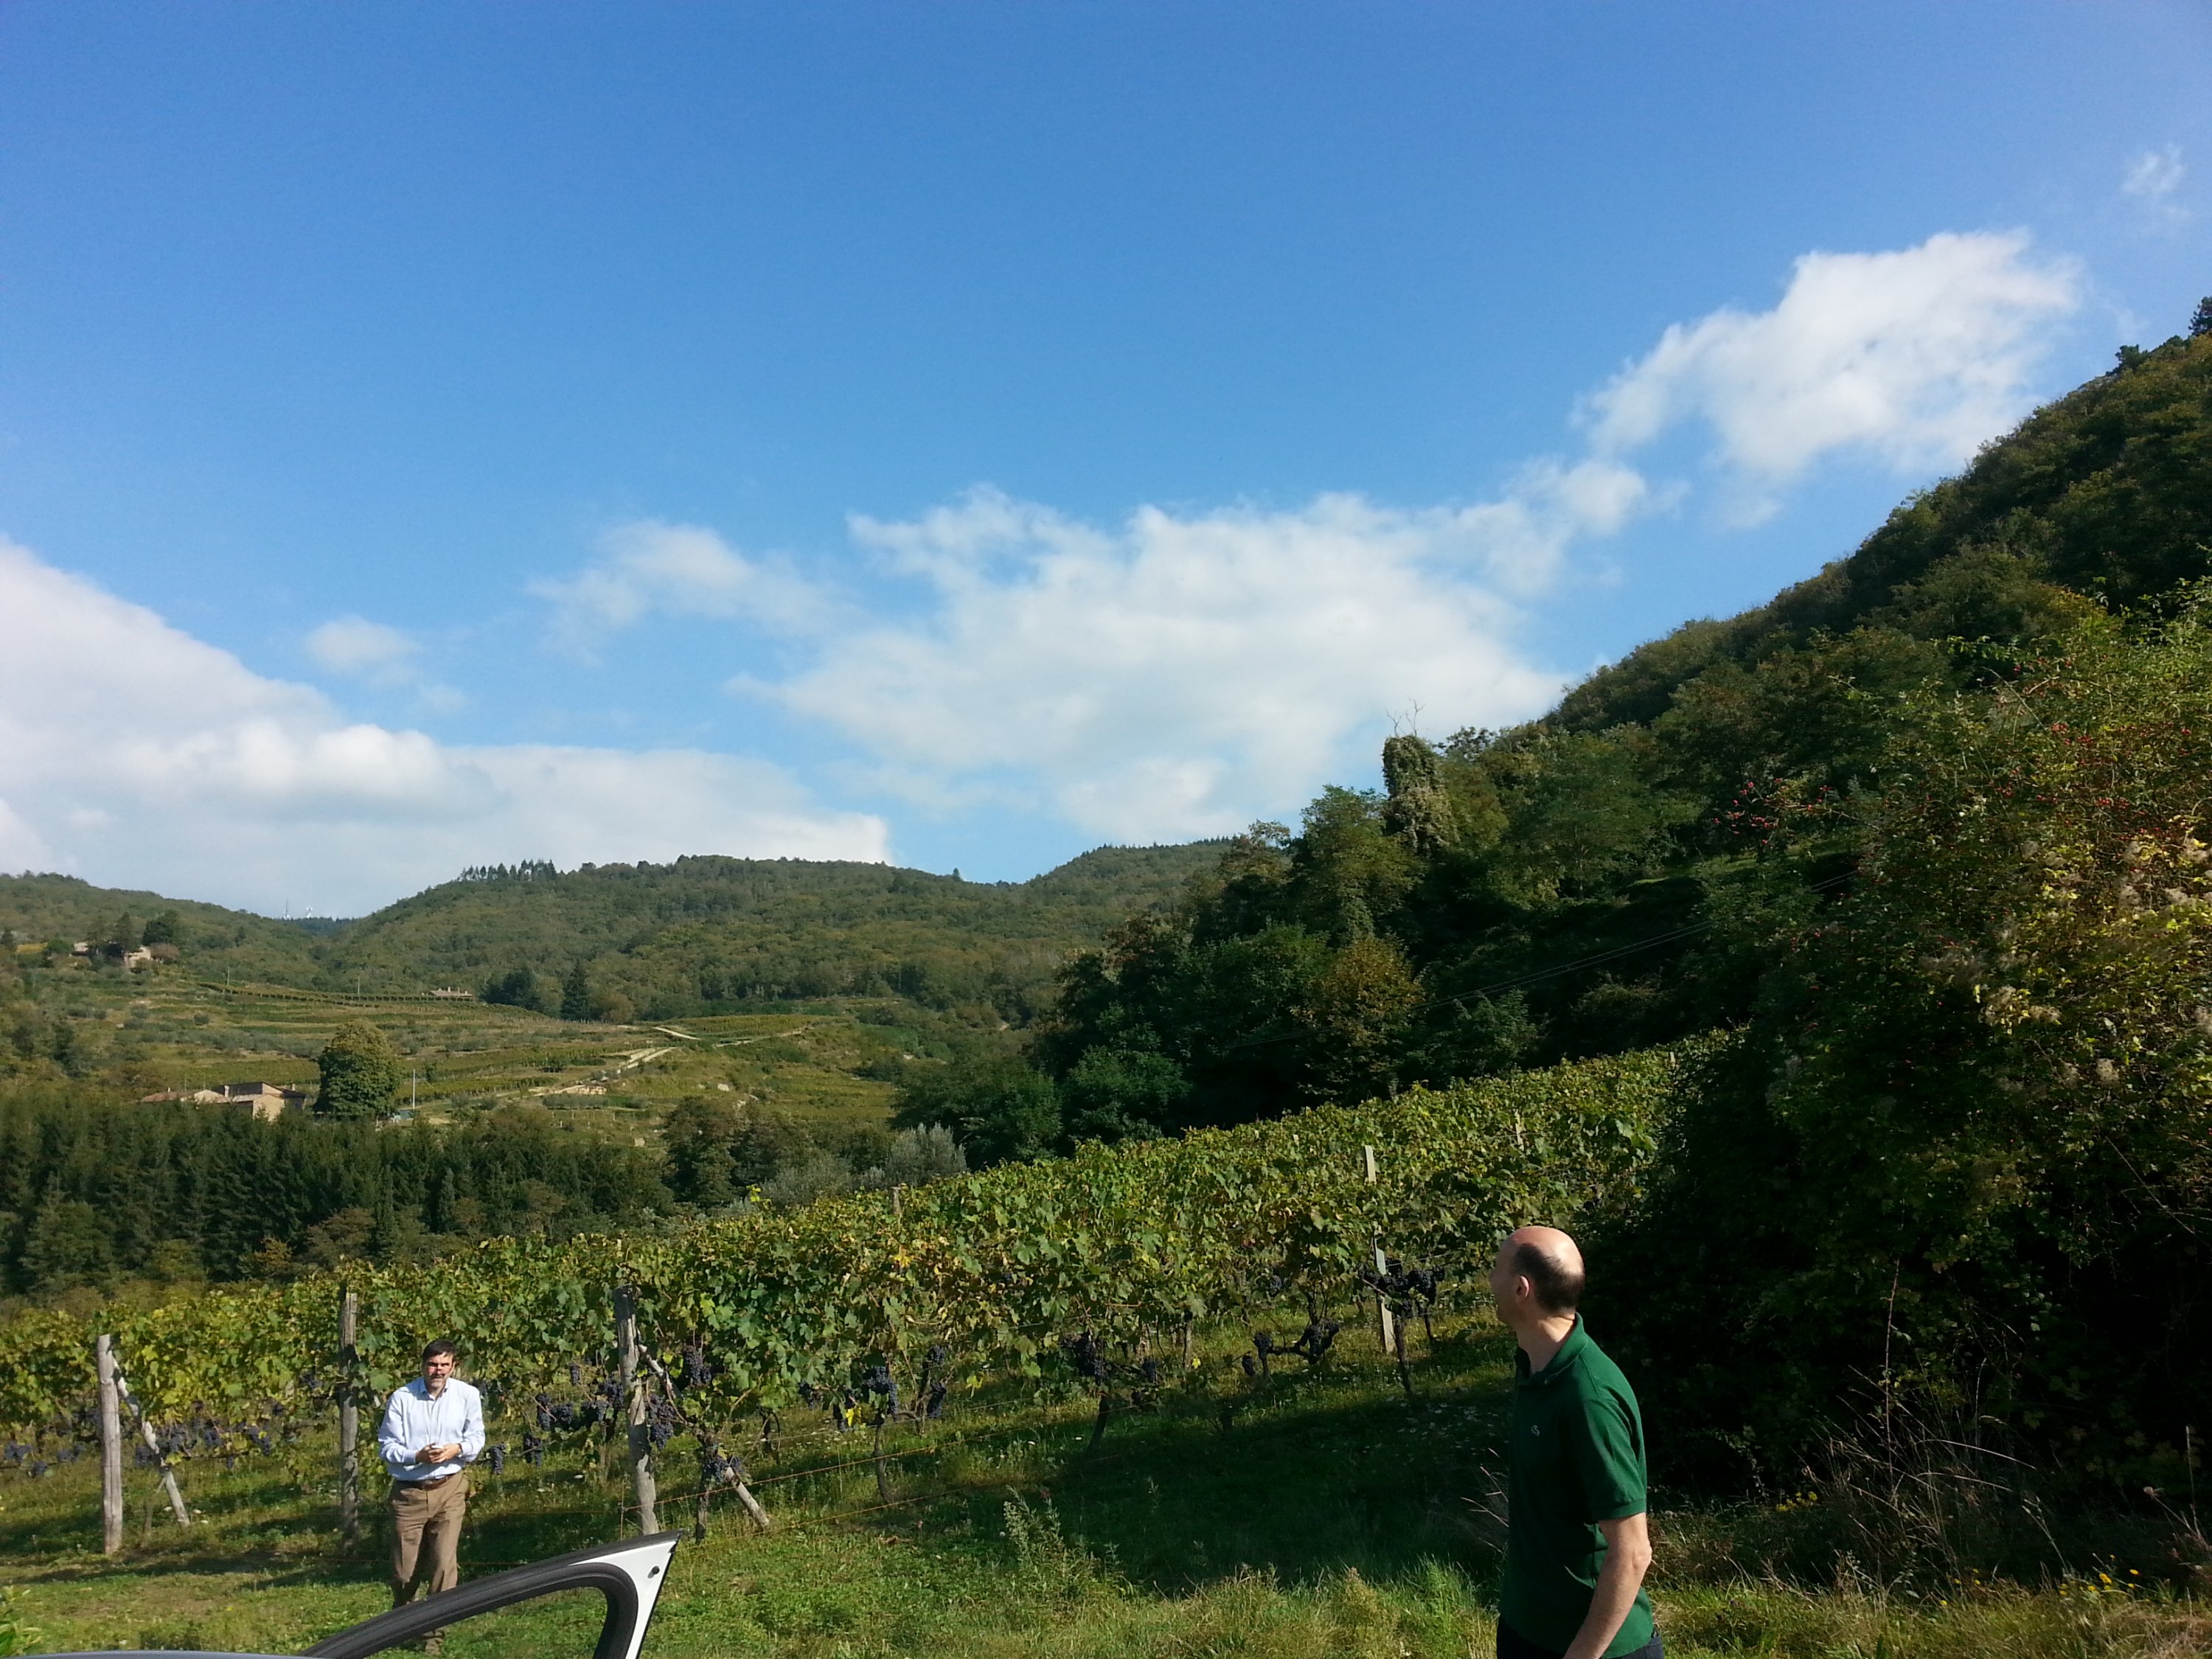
(1576, 1459)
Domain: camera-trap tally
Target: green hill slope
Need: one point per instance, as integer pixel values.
(2107, 491)
(701, 936)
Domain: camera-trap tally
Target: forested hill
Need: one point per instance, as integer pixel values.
(660, 941)
(2103, 492)
(1626, 870)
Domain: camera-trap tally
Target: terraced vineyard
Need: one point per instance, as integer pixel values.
(171, 1030)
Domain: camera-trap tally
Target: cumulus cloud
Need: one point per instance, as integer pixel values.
(673, 570)
(1913, 357)
(131, 752)
(1181, 673)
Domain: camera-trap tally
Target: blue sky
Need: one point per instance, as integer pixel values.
(445, 433)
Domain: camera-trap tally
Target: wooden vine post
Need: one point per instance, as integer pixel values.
(111, 1446)
(633, 1393)
(1386, 1325)
(122, 1397)
(735, 1480)
(349, 1419)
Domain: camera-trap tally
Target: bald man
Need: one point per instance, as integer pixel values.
(1576, 1544)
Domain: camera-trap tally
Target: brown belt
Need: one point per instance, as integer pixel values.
(435, 1481)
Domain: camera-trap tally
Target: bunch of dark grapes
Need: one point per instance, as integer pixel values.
(881, 1384)
(662, 1421)
(935, 1387)
(698, 1373)
(575, 1375)
(533, 1449)
(498, 1455)
(715, 1467)
(1089, 1359)
(559, 1416)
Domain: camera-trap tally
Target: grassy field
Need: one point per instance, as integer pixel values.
(1308, 1514)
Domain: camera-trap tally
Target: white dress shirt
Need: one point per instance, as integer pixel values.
(413, 1420)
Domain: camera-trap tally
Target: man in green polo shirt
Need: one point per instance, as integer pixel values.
(1576, 1544)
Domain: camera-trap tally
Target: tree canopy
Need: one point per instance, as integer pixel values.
(360, 1073)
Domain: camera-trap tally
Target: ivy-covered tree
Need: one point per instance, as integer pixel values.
(360, 1073)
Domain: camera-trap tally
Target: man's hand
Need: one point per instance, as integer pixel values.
(440, 1454)
(1627, 1559)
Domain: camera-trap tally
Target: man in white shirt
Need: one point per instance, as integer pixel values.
(433, 1430)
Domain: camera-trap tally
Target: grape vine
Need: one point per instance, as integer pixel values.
(862, 1308)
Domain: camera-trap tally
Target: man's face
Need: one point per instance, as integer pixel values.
(435, 1369)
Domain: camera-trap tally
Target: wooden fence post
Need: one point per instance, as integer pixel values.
(1386, 1327)
(111, 1446)
(349, 1420)
(633, 1393)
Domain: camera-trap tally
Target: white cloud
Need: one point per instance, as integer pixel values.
(1183, 674)
(1186, 672)
(2156, 174)
(1914, 358)
(673, 570)
(131, 752)
(379, 656)
(351, 644)
(2154, 179)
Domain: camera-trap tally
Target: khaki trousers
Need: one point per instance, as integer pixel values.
(427, 1521)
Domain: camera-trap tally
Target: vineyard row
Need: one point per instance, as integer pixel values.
(968, 1278)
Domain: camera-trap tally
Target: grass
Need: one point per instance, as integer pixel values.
(1318, 1514)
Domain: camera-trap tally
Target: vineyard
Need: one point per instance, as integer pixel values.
(1095, 1265)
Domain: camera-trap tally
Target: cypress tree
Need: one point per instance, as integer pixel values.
(576, 994)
